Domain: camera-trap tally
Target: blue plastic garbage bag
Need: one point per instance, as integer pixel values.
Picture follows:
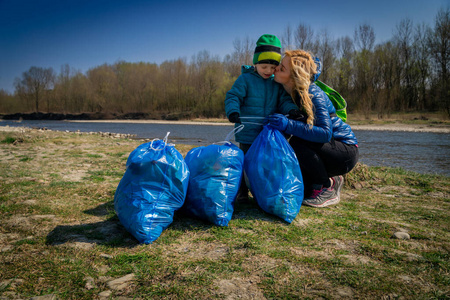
(274, 174)
(215, 176)
(153, 187)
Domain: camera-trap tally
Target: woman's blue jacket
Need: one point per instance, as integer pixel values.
(326, 123)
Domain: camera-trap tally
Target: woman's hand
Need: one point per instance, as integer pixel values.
(278, 121)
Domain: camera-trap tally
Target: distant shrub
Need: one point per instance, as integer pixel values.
(9, 140)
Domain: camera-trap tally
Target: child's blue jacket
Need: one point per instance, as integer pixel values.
(254, 96)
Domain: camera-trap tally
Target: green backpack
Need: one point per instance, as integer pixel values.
(337, 100)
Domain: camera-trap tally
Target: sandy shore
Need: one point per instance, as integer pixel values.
(380, 127)
(403, 127)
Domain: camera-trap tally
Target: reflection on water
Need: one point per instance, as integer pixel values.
(414, 151)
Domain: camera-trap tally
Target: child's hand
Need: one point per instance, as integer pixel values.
(235, 118)
(278, 121)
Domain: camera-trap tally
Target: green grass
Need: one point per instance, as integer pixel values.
(58, 227)
(9, 140)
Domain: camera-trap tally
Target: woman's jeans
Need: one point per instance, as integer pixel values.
(320, 161)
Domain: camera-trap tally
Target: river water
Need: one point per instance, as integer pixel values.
(426, 153)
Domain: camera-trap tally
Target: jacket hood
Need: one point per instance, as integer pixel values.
(247, 69)
(319, 68)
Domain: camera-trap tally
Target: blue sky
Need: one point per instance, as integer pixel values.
(88, 33)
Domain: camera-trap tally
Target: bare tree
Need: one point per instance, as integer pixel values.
(242, 55)
(440, 50)
(35, 83)
(344, 53)
(243, 50)
(286, 39)
(345, 47)
(304, 35)
(385, 82)
(135, 84)
(8, 103)
(403, 38)
(62, 88)
(325, 52)
(104, 85)
(80, 92)
(364, 37)
(422, 56)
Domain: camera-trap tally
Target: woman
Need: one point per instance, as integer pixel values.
(325, 146)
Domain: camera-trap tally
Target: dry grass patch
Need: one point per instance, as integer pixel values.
(59, 234)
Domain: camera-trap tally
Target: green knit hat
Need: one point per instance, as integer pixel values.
(268, 50)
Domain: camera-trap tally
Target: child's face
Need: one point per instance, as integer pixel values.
(265, 70)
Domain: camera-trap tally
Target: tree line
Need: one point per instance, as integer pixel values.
(410, 72)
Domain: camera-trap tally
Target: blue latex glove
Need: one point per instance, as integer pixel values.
(278, 121)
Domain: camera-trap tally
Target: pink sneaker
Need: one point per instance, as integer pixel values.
(326, 196)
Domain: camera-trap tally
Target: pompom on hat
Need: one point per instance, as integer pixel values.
(268, 50)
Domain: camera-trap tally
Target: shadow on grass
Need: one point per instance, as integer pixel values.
(111, 233)
(102, 210)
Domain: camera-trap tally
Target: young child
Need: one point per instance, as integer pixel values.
(255, 95)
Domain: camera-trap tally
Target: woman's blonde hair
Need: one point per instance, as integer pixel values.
(303, 69)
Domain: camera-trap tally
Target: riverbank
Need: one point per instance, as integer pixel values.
(411, 122)
(436, 128)
(60, 238)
